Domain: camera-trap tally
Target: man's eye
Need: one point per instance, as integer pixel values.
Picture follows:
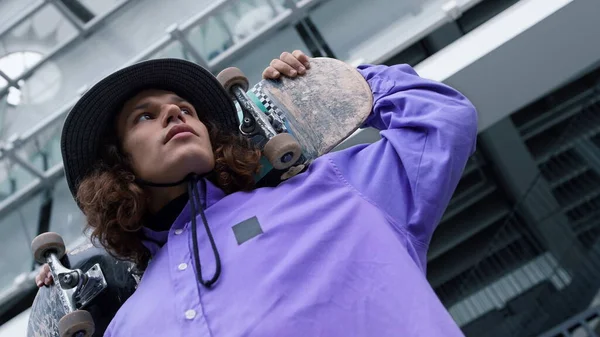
(186, 111)
(145, 116)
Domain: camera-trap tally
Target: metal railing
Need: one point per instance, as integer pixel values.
(584, 324)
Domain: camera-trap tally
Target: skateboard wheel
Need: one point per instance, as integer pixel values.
(282, 151)
(47, 243)
(75, 324)
(231, 76)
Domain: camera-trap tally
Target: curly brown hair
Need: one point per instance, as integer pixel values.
(115, 205)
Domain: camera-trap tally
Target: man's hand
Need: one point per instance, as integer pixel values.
(44, 277)
(289, 65)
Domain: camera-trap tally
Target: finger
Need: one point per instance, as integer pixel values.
(293, 61)
(300, 56)
(270, 73)
(284, 68)
(38, 281)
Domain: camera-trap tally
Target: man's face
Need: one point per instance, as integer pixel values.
(164, 137)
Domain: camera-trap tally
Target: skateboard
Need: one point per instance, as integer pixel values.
(296, 120)
(89, 287)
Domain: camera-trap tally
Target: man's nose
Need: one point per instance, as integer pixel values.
(172, 114)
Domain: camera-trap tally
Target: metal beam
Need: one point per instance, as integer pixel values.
(8, 150)
(79, 10)
(281, 20)
(9, 80)
(29, 13)
(517, 170)
(178, 35)
(567, 327)
(50, 177)
(588, 150)
(67, 14)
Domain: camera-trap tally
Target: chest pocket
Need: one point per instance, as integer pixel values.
(247, 230)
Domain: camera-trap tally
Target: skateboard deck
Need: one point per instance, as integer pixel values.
(49, 306)
(315, 112)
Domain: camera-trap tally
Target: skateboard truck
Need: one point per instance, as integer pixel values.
(77, 289)
(281, 149)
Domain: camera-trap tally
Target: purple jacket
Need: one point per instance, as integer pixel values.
(339, 250)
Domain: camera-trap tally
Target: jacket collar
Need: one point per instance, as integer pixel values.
(154, 240)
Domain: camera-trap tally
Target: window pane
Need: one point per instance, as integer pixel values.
(30, 41)
(12, 9)
(257, 59)
(17, 229)
(13, 177)
(100, 7)
(232, 24)
(39, 96)
(336, 20)
(66, 219)
(173, 50)
(211, 38)
(43, 148)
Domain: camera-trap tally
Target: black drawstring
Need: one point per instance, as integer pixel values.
(195, 201)
(195, 198)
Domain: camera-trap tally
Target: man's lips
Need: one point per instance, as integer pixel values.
(179, 128)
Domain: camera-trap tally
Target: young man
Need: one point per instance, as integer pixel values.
(153, 158)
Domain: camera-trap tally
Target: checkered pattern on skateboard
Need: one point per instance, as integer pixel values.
(266, 101)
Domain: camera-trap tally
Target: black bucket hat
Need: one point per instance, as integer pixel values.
(87, 122)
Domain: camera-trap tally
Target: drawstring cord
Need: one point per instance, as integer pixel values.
(195, 198)
(196, 206)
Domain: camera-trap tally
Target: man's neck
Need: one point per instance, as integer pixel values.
(161, 196)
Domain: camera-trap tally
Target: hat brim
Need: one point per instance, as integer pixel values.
(89, 120)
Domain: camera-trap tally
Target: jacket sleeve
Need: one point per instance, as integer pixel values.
(428, 131)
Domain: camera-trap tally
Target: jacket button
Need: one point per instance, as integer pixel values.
(190, 314)
(183, 266)
(178, 231)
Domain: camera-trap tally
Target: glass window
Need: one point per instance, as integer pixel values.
(233, 24)
(38, 96)
(211, 38)
(66, 217)
(253, 62)
(355, 29)
(17, 229)
(31, 40)
(43, 148)
(13, 177)
(100, 7)
(251, 17)
(22, 48)
(173, 50)
(12, 9)
(481, 13)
